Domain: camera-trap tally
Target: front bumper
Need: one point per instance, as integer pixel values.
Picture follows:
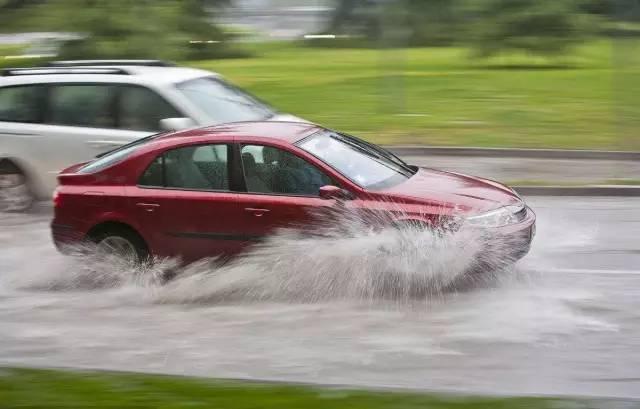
(514, 241)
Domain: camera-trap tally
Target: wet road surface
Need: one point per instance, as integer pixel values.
(565, 321)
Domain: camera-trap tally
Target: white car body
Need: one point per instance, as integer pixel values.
(41, 150)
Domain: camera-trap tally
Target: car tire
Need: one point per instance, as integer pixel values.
(15, 195)
(122, 242)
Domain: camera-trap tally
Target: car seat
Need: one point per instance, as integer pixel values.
(182, 171)
(254, 182)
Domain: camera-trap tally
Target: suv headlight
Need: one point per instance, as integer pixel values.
(503, 216)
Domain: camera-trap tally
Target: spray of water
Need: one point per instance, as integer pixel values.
(347, 256)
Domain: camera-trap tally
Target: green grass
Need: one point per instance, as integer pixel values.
(27, 388)
(620, 182)
(10, 50)
(443, 97)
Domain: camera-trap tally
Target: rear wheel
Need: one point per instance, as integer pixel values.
(121, 243)
(15, 195)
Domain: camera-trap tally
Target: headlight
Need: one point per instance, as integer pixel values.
(500, 217)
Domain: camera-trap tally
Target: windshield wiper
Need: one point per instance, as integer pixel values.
(389, 155)
(356, 146)
(374, 152)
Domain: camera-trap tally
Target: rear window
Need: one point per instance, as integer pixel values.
(118, 155)
(108, 160)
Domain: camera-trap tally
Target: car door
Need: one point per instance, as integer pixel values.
(81, 123)
(282, 190)
(21, 128)
(85, 120)
(193, 213)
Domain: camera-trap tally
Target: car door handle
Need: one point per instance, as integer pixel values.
(256, 212)
(105, 144)
(149, 207)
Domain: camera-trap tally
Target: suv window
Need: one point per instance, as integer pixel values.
(82, 105)
(141, 109)
(200, 167)
(272, 170)
(21, 104)
(223, 102)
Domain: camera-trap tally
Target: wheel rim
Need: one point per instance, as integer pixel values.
(119, 247)
(14, 193)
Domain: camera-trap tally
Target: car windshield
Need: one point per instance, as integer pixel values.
(365, 164)
(223, 102)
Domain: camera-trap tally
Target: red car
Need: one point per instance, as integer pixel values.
(213, 191)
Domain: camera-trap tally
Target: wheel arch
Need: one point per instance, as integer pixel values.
(13, 164)
(113, 225)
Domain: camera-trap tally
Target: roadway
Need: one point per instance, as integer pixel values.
(565, 321)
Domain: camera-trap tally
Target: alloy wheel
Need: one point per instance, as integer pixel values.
(119, 247)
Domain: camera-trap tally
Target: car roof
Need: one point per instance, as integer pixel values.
(283, 131)
(130, 74)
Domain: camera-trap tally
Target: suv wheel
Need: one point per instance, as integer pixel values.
(15, 195)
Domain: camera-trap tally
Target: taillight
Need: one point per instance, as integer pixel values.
(56, 198)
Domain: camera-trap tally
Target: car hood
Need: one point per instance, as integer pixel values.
(468, 193)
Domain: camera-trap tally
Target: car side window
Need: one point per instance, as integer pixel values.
(153, 176)
(141, 109)
(198, 167)
(272, 170)
(89, 105)
(21, 103)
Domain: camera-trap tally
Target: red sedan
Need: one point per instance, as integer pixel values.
(213, 191)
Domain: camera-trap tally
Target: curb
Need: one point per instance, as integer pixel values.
(409, 150)
(596, 191)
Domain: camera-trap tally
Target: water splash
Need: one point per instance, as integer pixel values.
(349, 255)
(347, 258)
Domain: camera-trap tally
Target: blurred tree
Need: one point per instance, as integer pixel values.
(435, 22)
(423, 22)
(599, 7)
(543, 27)
(125, 28)
(8, 5)
(356, 17)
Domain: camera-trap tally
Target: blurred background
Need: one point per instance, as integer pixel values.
(410, 74)
(487, 73)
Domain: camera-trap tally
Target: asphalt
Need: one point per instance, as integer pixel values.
(565, 321)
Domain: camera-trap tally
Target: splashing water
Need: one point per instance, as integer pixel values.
(346, 257)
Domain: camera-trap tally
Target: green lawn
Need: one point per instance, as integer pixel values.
(23, 388)
(444, 97)
(441, 96)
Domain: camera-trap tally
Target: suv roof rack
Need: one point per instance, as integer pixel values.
(9, 72)
(93, 63)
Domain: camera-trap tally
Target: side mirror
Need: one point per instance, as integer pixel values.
(176, 124)
(334, 192)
